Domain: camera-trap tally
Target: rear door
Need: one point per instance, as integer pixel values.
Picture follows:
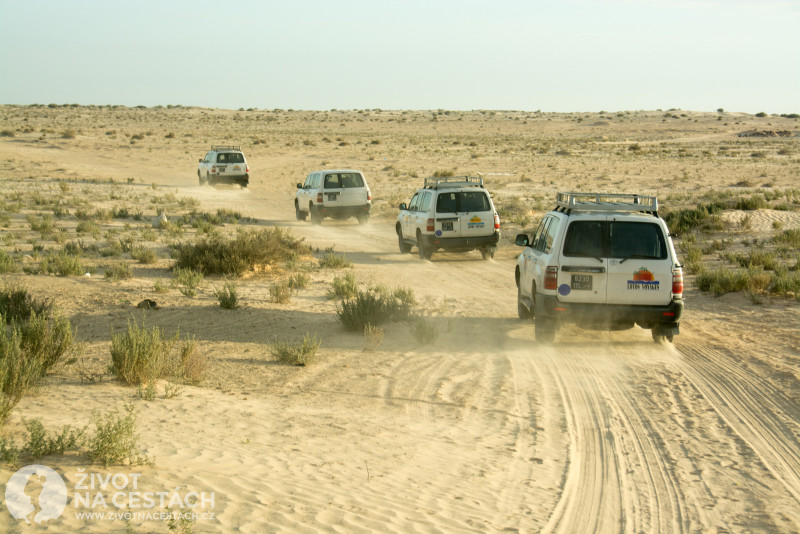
(476, 216)
(332, 189)
(583, 266)
(354, 189)
(447, 222)
(639, 265)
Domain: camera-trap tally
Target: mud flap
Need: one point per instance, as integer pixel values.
(666, 330)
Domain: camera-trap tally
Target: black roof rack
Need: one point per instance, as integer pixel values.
(218, 148)
(569, 202)
(453, 181)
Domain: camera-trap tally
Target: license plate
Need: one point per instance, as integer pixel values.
(221, 168)
(331, 196)
(447, 226)
(581, 281)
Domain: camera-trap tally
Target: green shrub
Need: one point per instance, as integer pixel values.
(789, 237)
(234, 257)
(343, 287)
(280, 292)
(331, 260)
(227, 295)
(40, 443)
(188, 280)
(298, 281)
(756, 257)
(140, 355)
(44, 224)
(115, 440)
(371, 308)
(144, 255)
(118, 271)
(61, 264)
(17, 304)
(7, 262)
(302, 353)
(373, 337)
(722, 280)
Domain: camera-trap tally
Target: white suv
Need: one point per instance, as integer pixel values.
(454, 214)
(224, 164)
(338, 194)
(602, 261)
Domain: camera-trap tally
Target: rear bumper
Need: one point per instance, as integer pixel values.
(459, 244)
(343, 211)
(229, 179)
(666, 316)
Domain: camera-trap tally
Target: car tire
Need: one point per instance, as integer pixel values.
(659, 339)
(487, 253)
(522, 311)
(404, 247)
(362, 219)
(544, 328)
(300, 215)
(200, 179)
(316, 216)
(243, 185)
(424, 253)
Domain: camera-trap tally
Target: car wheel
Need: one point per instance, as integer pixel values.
(300, 215)
(659, 339)
(487, 253)
(200, 179)
(243, 185)
(424, 253)
(316, 216)
(405, 248)
(544, 328)
(362, 219)
(522, 311)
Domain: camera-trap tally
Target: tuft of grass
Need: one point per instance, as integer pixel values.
(115, 440)
(280, 292)
(722, 280)
(160, 286)
(140, 355)
(118, 271)
(298, 281)
(227, 295)
(371, 308)
(424, 330)
(147, 256)
(373, 337)
(331, 260)
(193, 362)
(301, 354)
(188, 280)
(343, 287)
(40, 443)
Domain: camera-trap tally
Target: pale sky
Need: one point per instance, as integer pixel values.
(572, 55)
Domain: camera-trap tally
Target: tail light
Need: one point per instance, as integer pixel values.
(319, 198)
(677, 281)
(369, 195)
(429, 225)
(496, 221)
(551, 277)
(213, 169)
(247, 168)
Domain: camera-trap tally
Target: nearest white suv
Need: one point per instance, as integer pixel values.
(338, 194)
(454, 214)
(224, 164)
(602, 261)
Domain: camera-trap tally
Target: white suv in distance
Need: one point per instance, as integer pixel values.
(224, 164)
(453, 214)
(338, 194)
(602, 261)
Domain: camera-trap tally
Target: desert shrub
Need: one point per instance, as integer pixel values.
(68, 134)
(694, 258)
(44, 224)
(331, 260)
(17, 304)
(188, 280)
(234, 257)
(41, 443)
(373, 308)
(754, 202)
(7, 263)
(684, 220)
(115, 440)
(118, 271)
(144, 255)
(789, 237)
(720, 281)
(7, 133)
(227, 295)
(298, 281)
(280, 292)
(140, 355)
(343, 287)
(193, 362)
(61, 264)
(424, 330)
(301, 354)
(160, 286)
(756, 257)
(28, 349)
(373, 337)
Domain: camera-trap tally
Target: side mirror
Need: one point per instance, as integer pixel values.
(522, 240)
(200, 160)
(299, 185)
(403, 206)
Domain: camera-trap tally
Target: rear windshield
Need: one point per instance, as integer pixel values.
(343, 179)
(462, 201)
(615, 239)
(230, 157)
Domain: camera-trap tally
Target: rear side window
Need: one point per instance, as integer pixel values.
(585, 239)
(636, 240)
(426, 202)
(446, 203)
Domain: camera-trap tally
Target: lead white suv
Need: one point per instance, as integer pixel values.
(602, 261)
(224, 164)
(339, 194)
(453, 213)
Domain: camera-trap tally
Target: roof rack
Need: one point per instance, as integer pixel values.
(217, 148)
(568, 202)
(454, 181)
